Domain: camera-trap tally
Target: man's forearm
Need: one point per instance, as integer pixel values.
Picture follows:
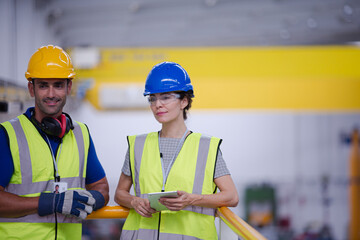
(12, 205)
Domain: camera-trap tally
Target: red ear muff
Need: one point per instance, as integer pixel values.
(63, 125)
(53, 126)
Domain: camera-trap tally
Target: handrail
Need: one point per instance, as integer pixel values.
(354, 187)
(239, 226)
(110, 212)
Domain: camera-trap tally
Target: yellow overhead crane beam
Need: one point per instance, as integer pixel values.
(314, 78)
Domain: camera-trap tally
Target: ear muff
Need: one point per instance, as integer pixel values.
(53, 126)
(69, 123)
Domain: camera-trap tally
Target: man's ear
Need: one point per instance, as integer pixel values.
(69, 85)
(31, 88)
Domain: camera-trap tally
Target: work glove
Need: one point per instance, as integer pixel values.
(78, 203)
(99, 199)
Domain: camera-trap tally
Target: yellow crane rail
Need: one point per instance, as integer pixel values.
(239, 226)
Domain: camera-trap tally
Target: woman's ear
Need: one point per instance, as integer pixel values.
(184, 102)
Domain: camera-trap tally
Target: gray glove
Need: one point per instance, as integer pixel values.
(77, 203)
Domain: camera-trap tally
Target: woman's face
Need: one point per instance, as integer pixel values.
(167, 107)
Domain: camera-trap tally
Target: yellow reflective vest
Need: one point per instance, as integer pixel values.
(34, 173)
(192, 171)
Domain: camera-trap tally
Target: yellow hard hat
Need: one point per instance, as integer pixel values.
(50, 62)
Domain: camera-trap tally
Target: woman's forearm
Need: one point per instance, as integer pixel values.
(216, 200)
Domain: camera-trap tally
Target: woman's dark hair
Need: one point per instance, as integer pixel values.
(188, 95)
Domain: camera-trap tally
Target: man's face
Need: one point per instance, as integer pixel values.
(50, 96)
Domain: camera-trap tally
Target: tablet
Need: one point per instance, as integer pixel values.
(154, 199)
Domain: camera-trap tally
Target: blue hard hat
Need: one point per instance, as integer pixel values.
(167, 77)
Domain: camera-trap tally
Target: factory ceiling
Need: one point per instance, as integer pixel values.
(132, 23)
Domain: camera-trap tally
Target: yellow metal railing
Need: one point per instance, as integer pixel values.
(110, 212)
(239, 226)
(354, 188)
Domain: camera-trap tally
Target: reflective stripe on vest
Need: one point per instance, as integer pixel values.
(149, 234)
(199, 172)
(21, 154)
(196, 160)
(26, 168)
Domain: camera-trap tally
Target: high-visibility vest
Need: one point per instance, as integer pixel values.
(34, 173)
(192, 171)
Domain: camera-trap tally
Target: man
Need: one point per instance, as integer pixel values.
(43, 148)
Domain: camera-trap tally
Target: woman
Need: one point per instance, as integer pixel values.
(173, 159)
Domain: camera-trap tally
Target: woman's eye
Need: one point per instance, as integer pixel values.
(165, 97)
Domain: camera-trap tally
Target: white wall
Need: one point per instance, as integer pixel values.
(23, 29)
(290, 150)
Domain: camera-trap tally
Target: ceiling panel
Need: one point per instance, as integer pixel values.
(113, 23)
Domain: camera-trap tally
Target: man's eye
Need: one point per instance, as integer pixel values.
(58, 85)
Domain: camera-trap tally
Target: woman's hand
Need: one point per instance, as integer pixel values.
(183, 200)
(142, 207)
(227, 196)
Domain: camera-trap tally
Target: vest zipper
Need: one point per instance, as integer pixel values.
(158, 236)
(56, 179)
(56, 226)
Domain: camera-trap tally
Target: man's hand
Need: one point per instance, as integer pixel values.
(78, 203)
(142, 207)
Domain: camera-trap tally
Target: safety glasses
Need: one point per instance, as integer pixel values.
(163, 98)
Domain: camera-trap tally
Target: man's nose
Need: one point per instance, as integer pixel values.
(51, 92)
